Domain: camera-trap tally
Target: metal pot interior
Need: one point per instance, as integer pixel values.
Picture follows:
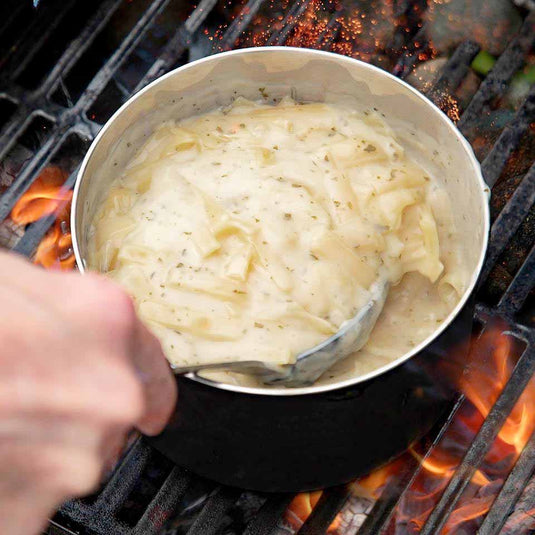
(426, 133)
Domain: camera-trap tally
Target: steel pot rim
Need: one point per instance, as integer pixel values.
(465, 146)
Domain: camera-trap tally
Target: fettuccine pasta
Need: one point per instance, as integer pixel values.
(255, 231)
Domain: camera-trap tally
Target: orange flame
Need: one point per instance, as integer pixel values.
(446, 468)
(55, 250)
(44, 197)
(302, 506)
(492, 361)
(374, 482)
(483, 390)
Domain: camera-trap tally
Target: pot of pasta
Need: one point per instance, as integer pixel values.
(247, 202)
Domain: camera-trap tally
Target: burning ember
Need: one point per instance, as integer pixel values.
(492, 359)
(46, 196)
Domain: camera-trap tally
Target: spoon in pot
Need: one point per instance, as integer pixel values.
(313, 362)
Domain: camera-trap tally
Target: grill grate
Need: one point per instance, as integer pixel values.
(108, 512)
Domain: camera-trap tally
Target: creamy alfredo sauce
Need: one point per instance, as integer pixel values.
(255, 231)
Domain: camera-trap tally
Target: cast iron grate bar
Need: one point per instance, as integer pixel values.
(410, 57)
(14, 10)
(329, 35)
(509, 139)
(209, 520)
(480, 446)
(14, 93)
(101, 515)
(83, 516)
(22, 58)
(162, 506)
(128, 44)
(519, 289)
(238, 25)
(178, 43)
(390, 497)
(20, 121)
(27, 108)
(124, 477)
(115, 491)
(511, 491)
(408, 21)
(268, 516)
(510, 219)
(525, 334)
(36, 29)
(322, 516)
(506, 66)
(454, 71)
(521, 519)
(79, 45)
(289, 22)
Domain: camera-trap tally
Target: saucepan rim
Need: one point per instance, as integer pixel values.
(463, 144)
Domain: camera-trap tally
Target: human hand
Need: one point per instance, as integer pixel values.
(77, 371)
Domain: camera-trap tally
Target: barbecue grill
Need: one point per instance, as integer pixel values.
(65, 67)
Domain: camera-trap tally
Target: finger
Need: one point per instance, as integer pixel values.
(159, 383)
(88, 386)
(84, 434)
